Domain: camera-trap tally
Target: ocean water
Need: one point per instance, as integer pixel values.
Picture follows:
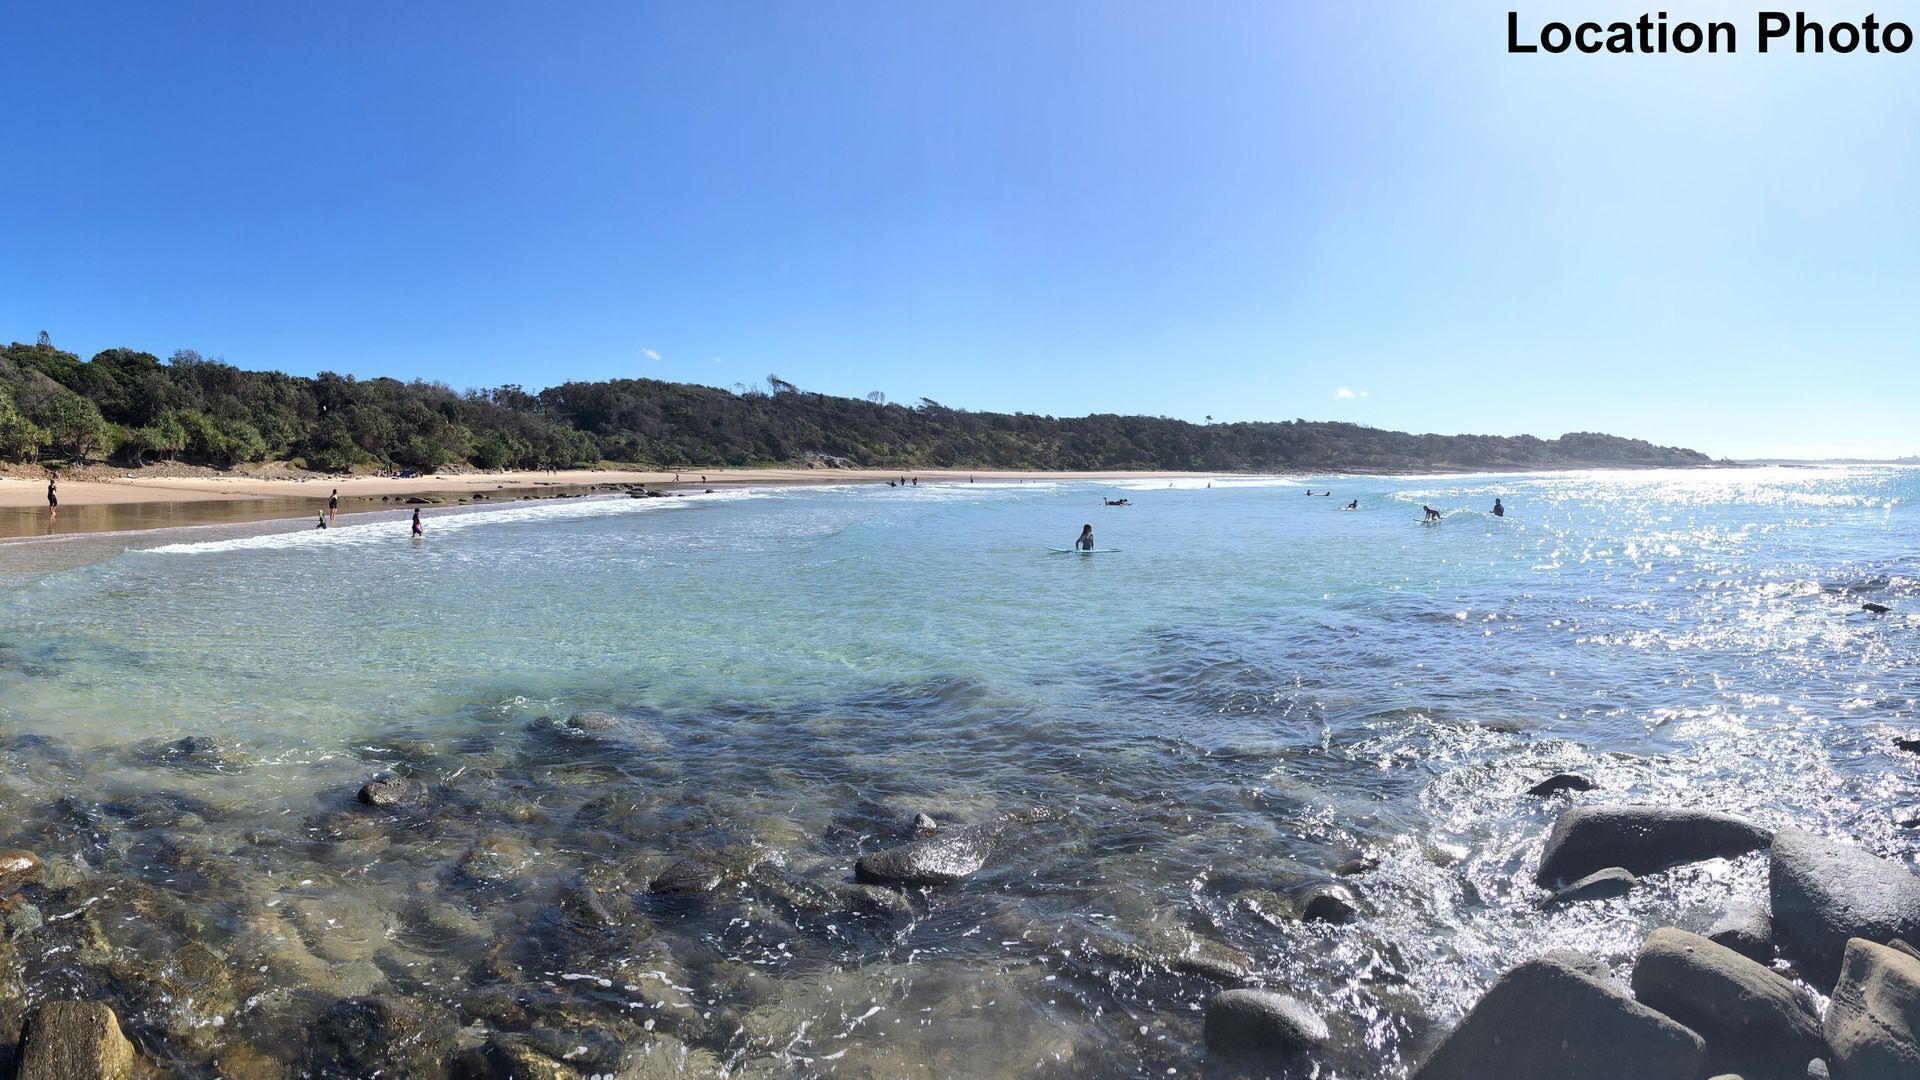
(1257, 687)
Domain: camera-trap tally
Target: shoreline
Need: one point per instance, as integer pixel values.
(135, 503)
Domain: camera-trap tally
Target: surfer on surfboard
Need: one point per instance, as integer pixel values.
(1085, 543)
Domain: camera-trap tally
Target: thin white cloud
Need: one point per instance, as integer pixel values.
(1348, 393)
(650, 354)
(716, 359)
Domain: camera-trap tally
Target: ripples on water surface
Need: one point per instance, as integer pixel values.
(1258, 688)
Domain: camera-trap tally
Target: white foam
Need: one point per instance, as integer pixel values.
(390, 526)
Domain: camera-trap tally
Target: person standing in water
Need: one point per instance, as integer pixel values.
(333, 503)
(418, 530)
(1085, 543)
(1498, 510)
(323, 522)
(53, 495)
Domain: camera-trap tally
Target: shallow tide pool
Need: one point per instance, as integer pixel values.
(1175, 746)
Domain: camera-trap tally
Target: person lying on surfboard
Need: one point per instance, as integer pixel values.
(1085, 543)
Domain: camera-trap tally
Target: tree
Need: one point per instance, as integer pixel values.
(877, 397)
(74, 425)
(20, 438)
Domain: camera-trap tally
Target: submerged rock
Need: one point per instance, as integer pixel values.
(387, 1035)
(1747, 930)
(1825, 892)
(942, 859)
(1262, 1023)
(1641, 839)
(1545, 1018)
(925, 824)
(687, 877)
(195, 752)
(1363, 864)
(75, 1040)
(1755, 1022)
(17, 868)
(391, 792)
(1599, 885)
(1328, 904)
(1559, 782)
(1873, 1022)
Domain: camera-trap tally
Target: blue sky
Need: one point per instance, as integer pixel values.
(1219, 209)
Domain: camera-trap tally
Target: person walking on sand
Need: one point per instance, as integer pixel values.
(418, 530)
(1085, 543)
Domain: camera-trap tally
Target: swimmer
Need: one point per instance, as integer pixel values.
(1498, 510)
(1085, 543)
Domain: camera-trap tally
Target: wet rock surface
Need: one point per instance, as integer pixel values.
(1873, 1022)
(1824, 892)
(1756, 1023)
(1545, 1018)
(75, 1040)
(1261, 1023)
(1641, 840)
(1599, 885)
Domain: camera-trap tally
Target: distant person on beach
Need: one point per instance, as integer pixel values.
(1498, 510)
(333, 503)
(417, 529)
(916, 481)
(53, 495)
(1085, 543)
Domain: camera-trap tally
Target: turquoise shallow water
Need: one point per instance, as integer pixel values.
(1257, 687)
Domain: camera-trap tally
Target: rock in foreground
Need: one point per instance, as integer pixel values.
(1641, 840)
(1873, 1023)
(75, 1040)
(1825, 892)
(1261, 1023)
(941, 859)
(1547, 1019)
(1756, 1023)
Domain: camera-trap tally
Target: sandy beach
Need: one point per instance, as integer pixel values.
(254, 497)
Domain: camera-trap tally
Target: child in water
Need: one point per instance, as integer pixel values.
(323, 522)
(1085, 543)
(417, 529)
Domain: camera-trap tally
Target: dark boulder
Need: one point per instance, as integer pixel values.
(1873, 1022)
(1825, 892)
(391, 792)
(687, 877)
(1261, 1023)
(384, 1036)
(1328, 903)
(1746, 929)
(1755, 1022)
(944, 858)
(1599, 885)
(1559, 782)
(1641, 840)
(1545, 1018)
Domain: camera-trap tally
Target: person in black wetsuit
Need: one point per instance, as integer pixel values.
(1498, 510)
(1354, 505)
(417, 529)
(333, 503)
(53, 494)
(1085, 543)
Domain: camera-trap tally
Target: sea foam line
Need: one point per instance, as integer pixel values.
(385, 530)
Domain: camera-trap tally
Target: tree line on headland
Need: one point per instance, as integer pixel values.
(132, 408)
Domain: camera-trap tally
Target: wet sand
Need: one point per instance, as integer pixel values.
(138, 502)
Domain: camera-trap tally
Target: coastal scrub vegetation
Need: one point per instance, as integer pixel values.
(133, 408)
